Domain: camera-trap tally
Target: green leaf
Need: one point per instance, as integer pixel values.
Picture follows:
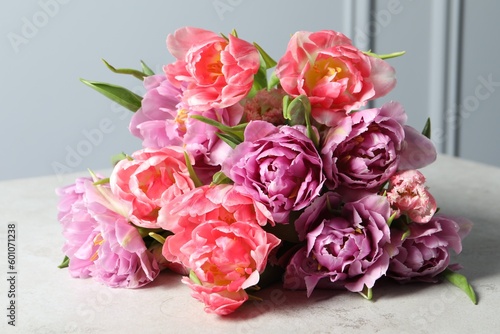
(144, 232)
(286, 111)
(228, 139)
(135, 73)
(97, 181)
(236, 132)
(270, 62)
(224, 36)
(157, 237)
(427, 128)
(406, 234)
(461, 282)
(194, 278)
(221, 178)
(192, 173)
(146, 69)
(385, 56)
(366, 293)
(310, 132)
(119, 157)
(239, 128)
(298, 111)
(329, 204)
(120, 95)
(101, 181)
(259, 82)
(273, 81)
(260, 79)
(64, 263)
(391, 218)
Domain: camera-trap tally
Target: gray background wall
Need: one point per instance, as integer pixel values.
(51, 123)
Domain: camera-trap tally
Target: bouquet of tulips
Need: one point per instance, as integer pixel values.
(255, 171)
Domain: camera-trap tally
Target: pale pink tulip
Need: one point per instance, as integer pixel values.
(100, 242)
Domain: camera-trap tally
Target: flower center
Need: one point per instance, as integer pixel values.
(180, 119)
(98, 241)
(323, 71)
(209, 67)
(226, 216)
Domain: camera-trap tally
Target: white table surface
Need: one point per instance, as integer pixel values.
(48, 300)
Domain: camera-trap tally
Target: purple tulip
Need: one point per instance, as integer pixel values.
(343, 248)
(122, 257)
(426, 252)
(158, 122)
(100, 242)
(277, 166)
(366, 148)
(78, 227)
(163, 120)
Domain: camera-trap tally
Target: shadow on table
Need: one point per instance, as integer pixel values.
(350, 310)
(478, 258)
(166, 279)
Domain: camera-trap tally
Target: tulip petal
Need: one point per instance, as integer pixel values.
(418, 150)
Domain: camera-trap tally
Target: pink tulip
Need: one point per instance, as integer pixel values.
(151, 179)
(218, 73)
(223, 202)
(216, 298)
(332, 73)
(227, 258)
(218, 235)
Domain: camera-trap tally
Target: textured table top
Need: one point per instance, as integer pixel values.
(48, 300)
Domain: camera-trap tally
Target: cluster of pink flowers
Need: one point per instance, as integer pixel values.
(241, 171)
